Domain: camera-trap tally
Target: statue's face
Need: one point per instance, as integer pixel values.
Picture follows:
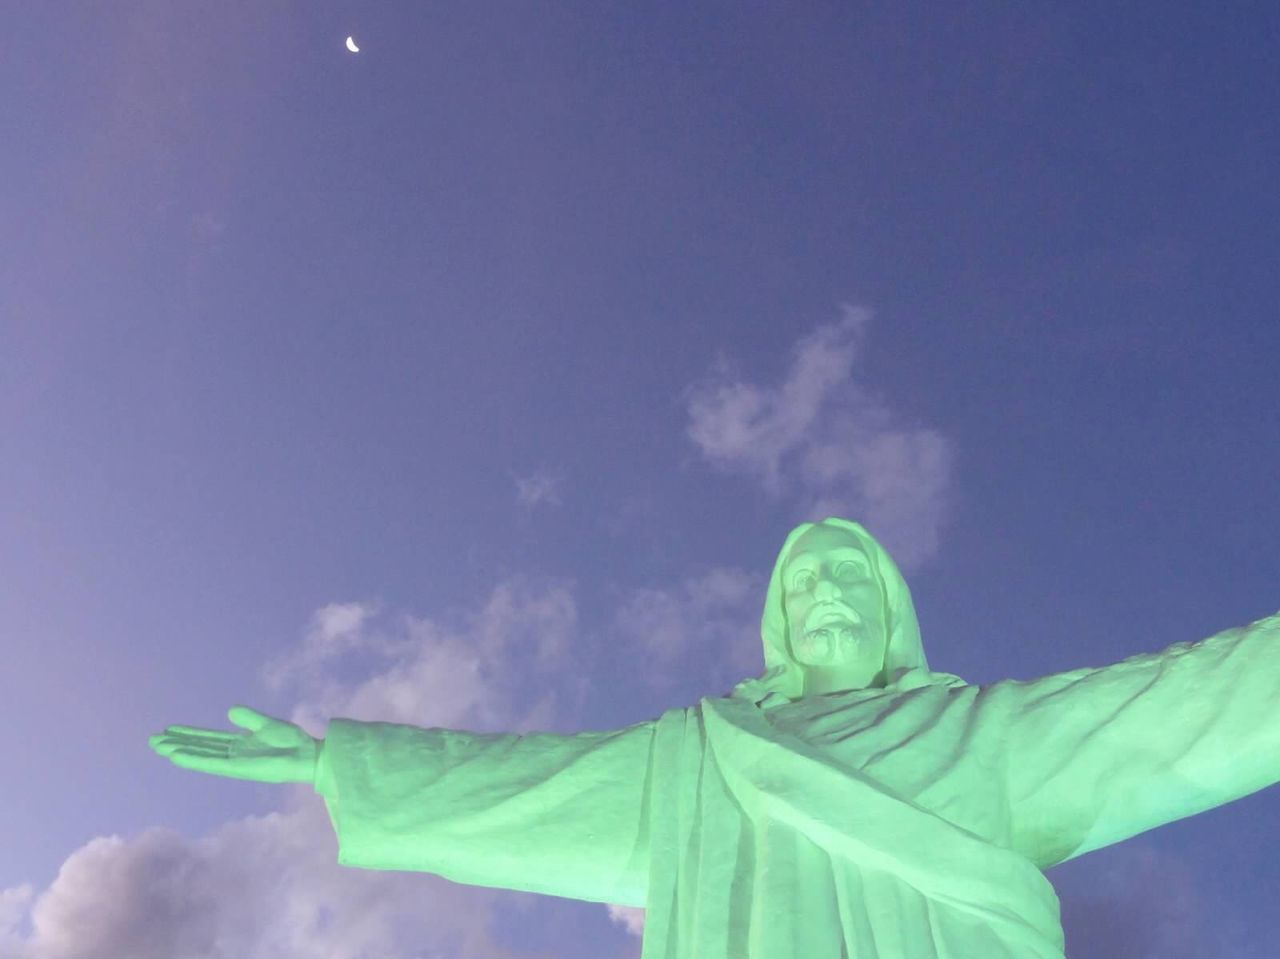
(833, 604)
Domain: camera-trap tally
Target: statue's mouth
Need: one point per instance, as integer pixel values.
(830, 616)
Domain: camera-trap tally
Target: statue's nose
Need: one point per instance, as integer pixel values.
(825, 591)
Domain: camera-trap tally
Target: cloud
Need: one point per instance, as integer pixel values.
(15, 905)
(712, 617)
(207, 226)
(827, 442)
(270, 886)
(629, 917)
(540, 486)
(736, 424)
(257, 887)
(334, 629)
(491, 669)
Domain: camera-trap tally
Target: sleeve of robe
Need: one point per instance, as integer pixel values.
(1094, 756)
(560, 815)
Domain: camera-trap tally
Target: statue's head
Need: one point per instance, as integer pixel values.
(838, 614)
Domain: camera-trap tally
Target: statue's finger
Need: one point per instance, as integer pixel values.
(210, 752)
(172, 748)
(213, 765)
(198, 742)
(248, 718)
(193, 760)
(199, 731)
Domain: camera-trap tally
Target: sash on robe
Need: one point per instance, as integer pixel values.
(765, 848)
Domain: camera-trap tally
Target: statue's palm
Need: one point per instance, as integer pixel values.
(273, 751)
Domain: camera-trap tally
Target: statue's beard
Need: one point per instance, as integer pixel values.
(835, 644)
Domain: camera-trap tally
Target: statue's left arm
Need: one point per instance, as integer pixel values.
(1094, 756)
(561, 815)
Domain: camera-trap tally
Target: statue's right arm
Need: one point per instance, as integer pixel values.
(562, 815)
(1095, 756)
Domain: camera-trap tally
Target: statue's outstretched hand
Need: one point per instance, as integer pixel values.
(273, 751)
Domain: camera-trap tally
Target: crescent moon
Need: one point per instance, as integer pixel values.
(351, 45)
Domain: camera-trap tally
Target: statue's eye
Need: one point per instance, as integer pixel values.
(804, 580)
(849, 571)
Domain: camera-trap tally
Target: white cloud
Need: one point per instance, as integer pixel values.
(339, 620)
(828, 442)
(270, 886)
(737, 424)
(207, 226)
(713, 617)
(15, 905)
(334, 629)
(540, 486)
(491, 670)
(262, 886)
(895, 482)
(629, 917)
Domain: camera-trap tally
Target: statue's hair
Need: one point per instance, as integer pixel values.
(904, 652)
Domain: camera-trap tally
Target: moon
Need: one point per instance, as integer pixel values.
(351, 45)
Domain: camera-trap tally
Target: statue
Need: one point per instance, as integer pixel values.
(847, 802)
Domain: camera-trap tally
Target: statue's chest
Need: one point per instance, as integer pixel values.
(925, 745)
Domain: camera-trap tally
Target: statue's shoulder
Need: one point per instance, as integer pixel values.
(686, 716)
(681, 714)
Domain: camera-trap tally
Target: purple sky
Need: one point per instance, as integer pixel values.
(475, 380)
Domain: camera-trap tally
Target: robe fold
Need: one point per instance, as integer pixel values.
(911, 820)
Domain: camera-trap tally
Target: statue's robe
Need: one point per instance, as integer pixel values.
(892, 822)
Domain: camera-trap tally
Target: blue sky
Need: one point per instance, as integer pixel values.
(475, 380)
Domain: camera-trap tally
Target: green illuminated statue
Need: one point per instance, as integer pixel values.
(849, 802)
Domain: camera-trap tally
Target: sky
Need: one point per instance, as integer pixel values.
(475, 379)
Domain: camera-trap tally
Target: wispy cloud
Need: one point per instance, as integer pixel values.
(334, 630)
(486, 670)
(540, 486)
(207, 226)
(270, 885)
(260, 886)
(15, 907)
(711, 617)
(827, 442)
(629, 918)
